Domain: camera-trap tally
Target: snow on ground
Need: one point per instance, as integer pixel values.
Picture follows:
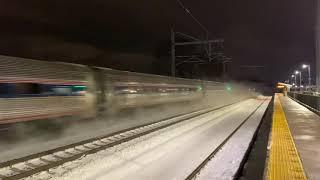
(171, 153)
(82, 131)
(227, 161)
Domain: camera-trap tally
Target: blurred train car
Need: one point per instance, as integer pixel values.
(31, 90)
(121, 89)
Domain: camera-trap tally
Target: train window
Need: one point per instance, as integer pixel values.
(27, 88)
(148, 89)
(62, 90)
(46, 89)
(12, 90)
(127, 90)
(172, 89)
(5, 89)
(162, 90)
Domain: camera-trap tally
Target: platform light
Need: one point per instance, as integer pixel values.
(297, 72)
(292, 75)
(304, 66)
(301, 86)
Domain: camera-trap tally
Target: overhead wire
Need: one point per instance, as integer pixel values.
(192, 16)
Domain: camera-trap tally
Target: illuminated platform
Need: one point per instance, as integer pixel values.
(294, 141)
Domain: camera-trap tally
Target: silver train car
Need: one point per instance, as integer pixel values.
(33, 90)
(120, 89)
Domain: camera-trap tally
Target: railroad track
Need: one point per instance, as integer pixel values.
(32, 164)
(197, 170)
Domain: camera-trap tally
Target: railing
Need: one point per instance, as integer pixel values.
(309, 98)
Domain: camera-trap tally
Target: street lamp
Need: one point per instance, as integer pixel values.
(298, 72)
(304, 66)
(295, 79)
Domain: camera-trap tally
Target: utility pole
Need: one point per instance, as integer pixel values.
(304, 66)
(210, 55)
(173, 54)
(300, 82)
(317, 44)
(309, 76)
(224, 68)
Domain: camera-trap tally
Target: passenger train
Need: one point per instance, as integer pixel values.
(32, 90)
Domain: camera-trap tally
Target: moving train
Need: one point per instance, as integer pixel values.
(32, 90)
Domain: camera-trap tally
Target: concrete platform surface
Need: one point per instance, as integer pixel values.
(305, 129)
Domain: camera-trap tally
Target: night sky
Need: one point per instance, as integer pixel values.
(134, 35)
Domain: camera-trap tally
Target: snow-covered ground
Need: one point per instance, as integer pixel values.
(81, 131)
(171, 153)
(227, 161)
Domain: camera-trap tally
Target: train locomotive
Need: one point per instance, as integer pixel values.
(34, 90)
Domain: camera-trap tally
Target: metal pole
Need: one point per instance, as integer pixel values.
(300, 81)
(224, 68)
(317, 44)
(309, 76)
(209, 49)
(295, 83)
(173, 54)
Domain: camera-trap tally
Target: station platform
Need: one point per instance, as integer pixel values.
(294, 144)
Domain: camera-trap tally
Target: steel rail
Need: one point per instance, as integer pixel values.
(196, 171)
(52, 158)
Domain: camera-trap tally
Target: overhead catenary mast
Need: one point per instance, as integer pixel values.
(317, 44)
(209, 46)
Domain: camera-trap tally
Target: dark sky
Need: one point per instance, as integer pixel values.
(134, 34)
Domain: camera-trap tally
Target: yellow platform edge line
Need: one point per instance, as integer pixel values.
(284, 161)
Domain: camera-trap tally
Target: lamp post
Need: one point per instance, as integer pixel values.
(304, 66)
(295, 79)
(298, 72)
